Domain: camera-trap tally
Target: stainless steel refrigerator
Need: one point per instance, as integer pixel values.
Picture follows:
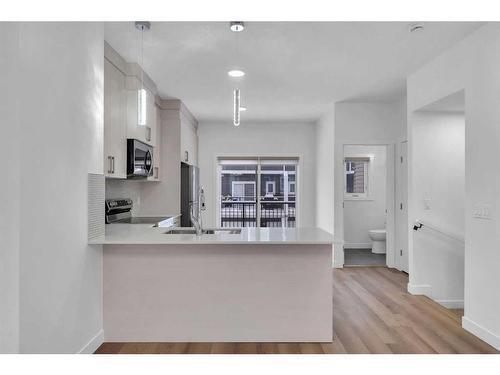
(190, 184)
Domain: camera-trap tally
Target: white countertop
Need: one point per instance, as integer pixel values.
(138, 234)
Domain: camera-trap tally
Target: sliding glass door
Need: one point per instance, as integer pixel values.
(257, 192)
(238, 193)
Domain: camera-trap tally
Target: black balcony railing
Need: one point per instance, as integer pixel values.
(244, 214)
(277, 214)
(238, 214)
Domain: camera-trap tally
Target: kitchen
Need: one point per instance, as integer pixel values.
(153, 242)
(178, 187)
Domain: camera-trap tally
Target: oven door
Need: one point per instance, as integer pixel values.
(139, 159)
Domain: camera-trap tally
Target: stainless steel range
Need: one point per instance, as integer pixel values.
(118, 211)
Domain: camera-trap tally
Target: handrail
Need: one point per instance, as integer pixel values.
(419, 224)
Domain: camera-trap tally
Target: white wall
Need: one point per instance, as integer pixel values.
(61, 133)
(325, 143)
(472, 65)
(438, 185)
(360, 216)
(365, 123)
(325, 182)
(259, 139)
(370, 121)
(9, 190)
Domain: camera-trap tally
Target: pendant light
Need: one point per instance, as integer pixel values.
(236, 26)
(141, 93)
(236, 107)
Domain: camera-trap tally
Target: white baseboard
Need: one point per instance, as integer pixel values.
(419, 289)
(358, 245)
(93, 344)
(451, 303)
(481, 332)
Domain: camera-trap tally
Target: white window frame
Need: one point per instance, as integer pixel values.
(367, 159)
(290, 183)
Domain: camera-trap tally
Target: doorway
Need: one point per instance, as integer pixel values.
(437, 201)
(365, 205)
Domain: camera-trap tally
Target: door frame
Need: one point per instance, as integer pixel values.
(339, 197)
(401, 229)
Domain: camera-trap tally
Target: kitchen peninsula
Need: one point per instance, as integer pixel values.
(258, 284)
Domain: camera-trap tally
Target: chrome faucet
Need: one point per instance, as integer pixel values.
(195, 211)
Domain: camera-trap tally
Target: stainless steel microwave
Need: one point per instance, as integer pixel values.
(139, 159)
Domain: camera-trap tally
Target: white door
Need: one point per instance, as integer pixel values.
(402, 208)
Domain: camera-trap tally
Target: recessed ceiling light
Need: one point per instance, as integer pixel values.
(237, 26)
(415, 27)
(236, 73)
(243, 109)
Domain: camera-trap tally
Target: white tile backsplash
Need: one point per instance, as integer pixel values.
(95, 203)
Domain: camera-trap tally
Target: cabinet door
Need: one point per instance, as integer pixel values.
(115, 141)
(189, 143)
(156, 146)
(143, 133)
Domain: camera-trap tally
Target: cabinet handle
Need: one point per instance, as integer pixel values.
(113, 164)
(148, 133)
(109, 165)
(156, 172)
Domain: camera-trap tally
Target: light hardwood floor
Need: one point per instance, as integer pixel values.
(372, 313)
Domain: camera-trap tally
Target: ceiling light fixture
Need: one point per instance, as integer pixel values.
(243, 109)
(236, 107)
(141, 93)
(415, 27)
(237, 26)
(236, 73)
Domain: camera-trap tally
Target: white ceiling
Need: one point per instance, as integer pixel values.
(294, 70)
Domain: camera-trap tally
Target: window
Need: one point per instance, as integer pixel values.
(257, 192)
(356, 178)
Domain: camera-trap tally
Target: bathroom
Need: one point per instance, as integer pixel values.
(365, 209)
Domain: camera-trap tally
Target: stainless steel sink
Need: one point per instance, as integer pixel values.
(221, 231)
(205, 231)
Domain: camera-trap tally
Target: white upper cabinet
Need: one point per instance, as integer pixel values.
(156, 146)
(146, 131)
(115, 131)
(189, 142)
(125, 117)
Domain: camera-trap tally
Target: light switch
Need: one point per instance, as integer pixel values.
(427, 204)
(482, 211)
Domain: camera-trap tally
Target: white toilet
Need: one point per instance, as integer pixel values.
(378, 240)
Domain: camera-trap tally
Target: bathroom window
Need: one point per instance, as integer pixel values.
(356, 178)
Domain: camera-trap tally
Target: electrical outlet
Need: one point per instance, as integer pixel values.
(482, 211)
